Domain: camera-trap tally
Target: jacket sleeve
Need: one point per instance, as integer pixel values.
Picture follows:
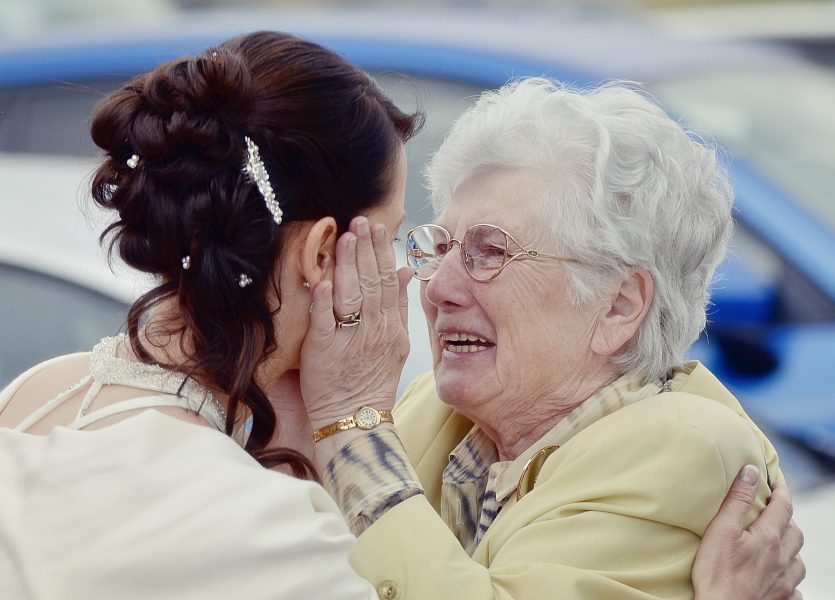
(617, 513)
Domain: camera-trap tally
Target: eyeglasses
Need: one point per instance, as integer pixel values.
(485, 250)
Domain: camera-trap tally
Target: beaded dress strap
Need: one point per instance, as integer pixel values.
(173, 389)
(106, 368)
(131, 404)
(50, 406)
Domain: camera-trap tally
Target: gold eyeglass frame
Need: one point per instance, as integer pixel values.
(509, 258)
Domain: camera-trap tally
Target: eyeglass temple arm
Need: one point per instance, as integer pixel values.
(536, 254)
(531, 253)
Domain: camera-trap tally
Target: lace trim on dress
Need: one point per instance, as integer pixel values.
(109, 369)
(173, 389)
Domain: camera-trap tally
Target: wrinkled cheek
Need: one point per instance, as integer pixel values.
(517, 362)
(430, 314)
(435, 345)
(424, 301)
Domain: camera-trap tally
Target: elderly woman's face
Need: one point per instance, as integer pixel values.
(514, 339)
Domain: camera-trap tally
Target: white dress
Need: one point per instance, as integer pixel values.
(155, 507)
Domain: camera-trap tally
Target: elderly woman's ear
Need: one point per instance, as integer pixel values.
(622, 313)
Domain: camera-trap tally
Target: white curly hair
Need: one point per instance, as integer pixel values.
(624, 186)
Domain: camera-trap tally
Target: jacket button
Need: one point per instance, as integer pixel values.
(388, 590)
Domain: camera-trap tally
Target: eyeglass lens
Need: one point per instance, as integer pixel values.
(483, 249)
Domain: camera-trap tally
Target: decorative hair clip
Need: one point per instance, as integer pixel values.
(186, 262)
(257, 172)
(133, 161)
(244, 280)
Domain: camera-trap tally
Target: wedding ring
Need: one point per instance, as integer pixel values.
(347, 321)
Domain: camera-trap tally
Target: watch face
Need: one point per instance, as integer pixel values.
(367, 418)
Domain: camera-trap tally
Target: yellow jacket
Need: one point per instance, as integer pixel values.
(616, 513)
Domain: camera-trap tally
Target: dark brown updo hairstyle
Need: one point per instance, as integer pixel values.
(329, 139)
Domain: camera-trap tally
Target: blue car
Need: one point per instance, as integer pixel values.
(771, 335)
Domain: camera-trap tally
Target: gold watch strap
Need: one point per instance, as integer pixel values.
(349, 423)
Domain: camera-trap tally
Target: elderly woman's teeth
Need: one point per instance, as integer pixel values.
(457, 342)
(470, 348)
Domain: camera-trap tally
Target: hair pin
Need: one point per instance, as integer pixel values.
(257, 172)
(186, 262)
(244, 280)
(133, 161)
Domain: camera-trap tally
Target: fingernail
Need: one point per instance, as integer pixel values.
(749, 474)
(362, 227)
(379, 232)
(352, 244)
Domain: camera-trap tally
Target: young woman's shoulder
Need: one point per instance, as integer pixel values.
(39, 384)
(55, 393)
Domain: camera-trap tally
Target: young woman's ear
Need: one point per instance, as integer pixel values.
(318, 254)
(618, 322)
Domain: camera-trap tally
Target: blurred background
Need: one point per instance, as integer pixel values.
(759, 76)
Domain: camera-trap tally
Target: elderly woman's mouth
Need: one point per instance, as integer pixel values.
(464, 342)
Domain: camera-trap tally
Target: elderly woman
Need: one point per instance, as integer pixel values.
(564, 446)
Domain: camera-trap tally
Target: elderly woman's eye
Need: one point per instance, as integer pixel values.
(489, 252)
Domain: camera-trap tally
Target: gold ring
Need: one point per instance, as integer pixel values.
(347, 321)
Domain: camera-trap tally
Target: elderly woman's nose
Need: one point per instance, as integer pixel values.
(450, 281)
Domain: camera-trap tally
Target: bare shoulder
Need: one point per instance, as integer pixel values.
(39, 385)
(65, 376)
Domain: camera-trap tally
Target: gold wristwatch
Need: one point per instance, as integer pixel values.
(365, 418)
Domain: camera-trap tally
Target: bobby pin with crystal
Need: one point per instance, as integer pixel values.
(257, 172)
(186, 260)
(133, 161)
(244, 280)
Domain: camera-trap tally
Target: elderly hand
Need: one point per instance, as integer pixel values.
(343, 369)
(760, 563)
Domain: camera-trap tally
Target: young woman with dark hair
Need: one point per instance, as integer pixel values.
(233, 175)
(331, 142)
(260, 184)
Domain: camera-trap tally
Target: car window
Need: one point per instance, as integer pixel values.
(52, 118)
(44, 317)
(796, 299)
(768, 116)
(767, 125)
